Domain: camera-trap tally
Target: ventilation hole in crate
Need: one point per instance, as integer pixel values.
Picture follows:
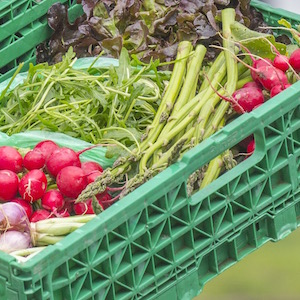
(245, 200)
(261, 194)
(20, 8)
(161, 204)
(121, 260)
(103, 269)
(292, 119)
(201, 240)
(216, 201)
(98, 280)
(159, 233)
(27, 56)
(175, 196)
(138, 253)
(256, 175)
(178, 226)
(295, 142)
(240, 213)
(207, 267)
(33, 287)
(143, 241)
(281, 181)
(238, 184)
(277, 155)
(225, 255)
(183, 247)
(127, 281)
(257, 226)
(82, 287)
(6, 42)
(115, 241)
(242, 184)
(183, 214)
(283, 200)
(122, 231)
(154, 215)
(164, 260)
(206, 226)
(60, 276)
(222, 222)
(98, 251)
(18, 35)
(272, 134)
(199, 212)
(143, 273)
(246, 241)
(136, 224)
(61, 293)
(165, 281)
(76, 267)
(162, 267)
(262, 232)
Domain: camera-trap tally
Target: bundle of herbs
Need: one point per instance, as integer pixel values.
(148, 29)
(108, 105)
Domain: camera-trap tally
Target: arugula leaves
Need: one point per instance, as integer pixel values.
(111, 105)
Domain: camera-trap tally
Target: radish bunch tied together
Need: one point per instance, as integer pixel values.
(41, 186)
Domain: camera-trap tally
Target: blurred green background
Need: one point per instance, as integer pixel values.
(271, 272)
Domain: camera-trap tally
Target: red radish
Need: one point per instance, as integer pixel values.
(69, 205)
(25, 204)
(270, 76)
(71, 181)
(278, 89)
(61, 158)
(258, 63)
(92, 176)
(64, 213)
(33, 185)
(64, 157)
(294, 60)
(251, 147)
(244, 143)
(40, 214)
(90, 166)
(10, 159)
(46, 147)
(281, 62)
(9, 182)
(34, 160)
(53, 200)
(252, 84)
(104, 199)
(84, 208)
(247, 98)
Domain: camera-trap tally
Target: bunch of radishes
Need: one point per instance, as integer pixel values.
(47, 180)
(269, 78)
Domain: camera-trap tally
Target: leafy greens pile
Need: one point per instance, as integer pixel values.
(148, 29)
(99, 105)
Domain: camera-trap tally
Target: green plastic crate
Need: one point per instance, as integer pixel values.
(158, 243)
